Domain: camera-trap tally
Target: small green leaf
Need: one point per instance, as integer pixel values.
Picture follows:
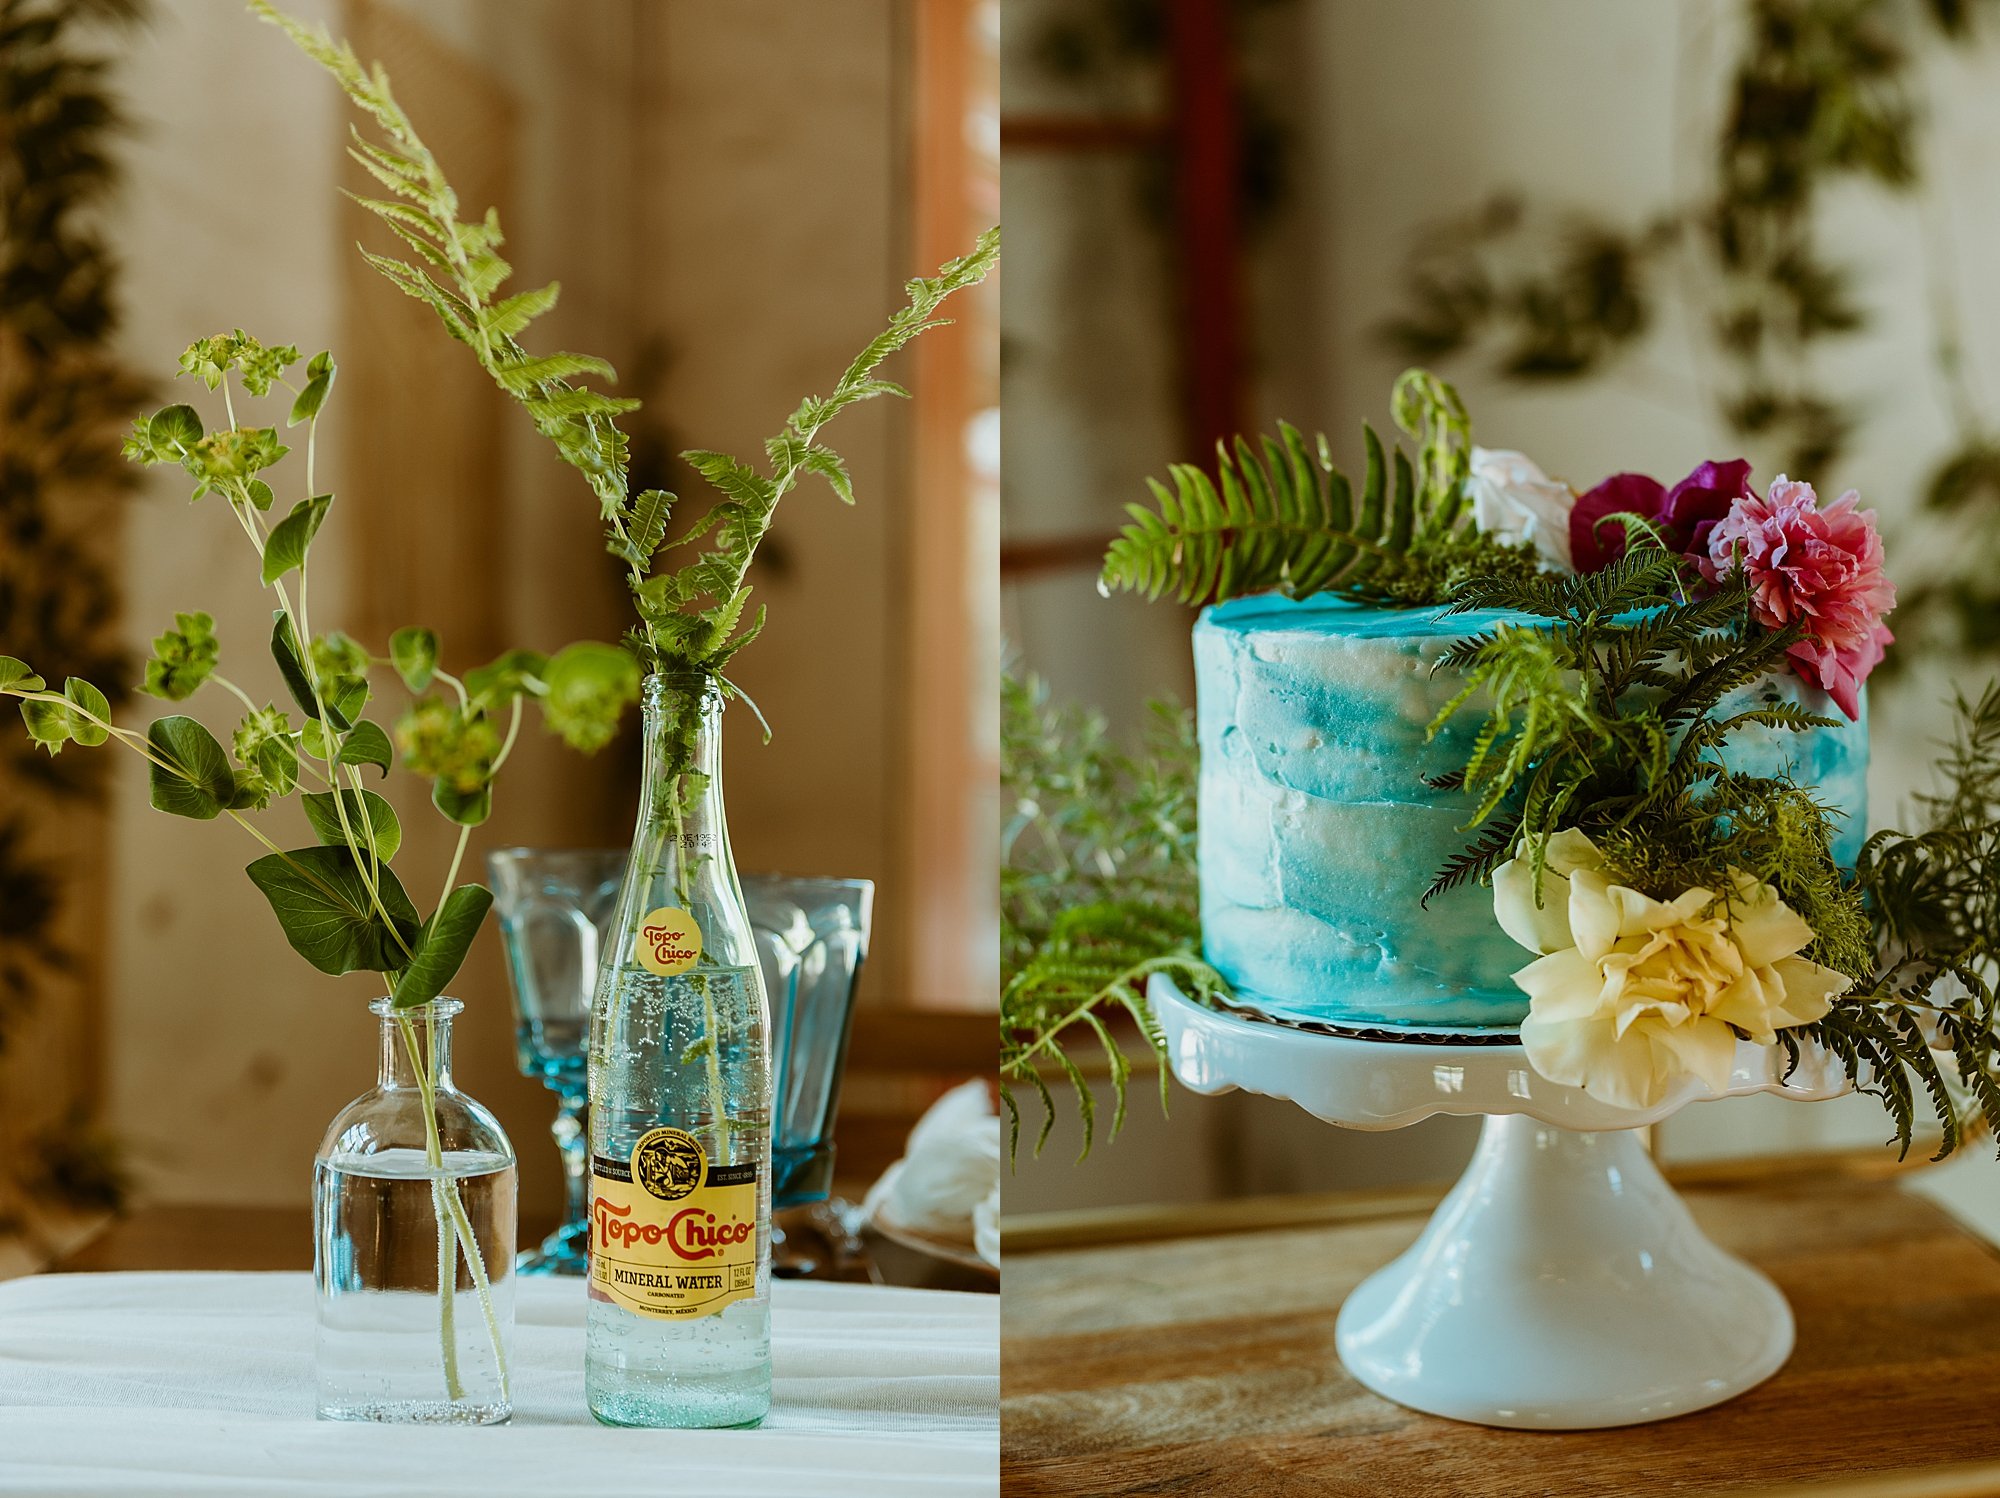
(319, 380)
(413, 651)
(15, 676)
(646, 527)
(500, 681)
(321, 902)
(369, 811)
(261, 495)
(200, 784)
(346, 696)
(285, 650)
(48, 723)
(174, 430)
(441, 950)
(589, 684)
(467, 808)
(367, 744)
(830, 466)
(291, 537)
(87, 698)
(509, 317)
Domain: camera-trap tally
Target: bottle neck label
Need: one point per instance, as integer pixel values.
(671, 1235)
(668, 943)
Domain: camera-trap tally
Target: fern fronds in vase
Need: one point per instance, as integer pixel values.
(1279, 517)
(696, 617)
(1097, 895)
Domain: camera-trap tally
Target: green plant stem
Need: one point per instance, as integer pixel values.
(138, 743)
(454, 1227)
(456, 685)
(365, 867)
(718, 1100)
(718, 1103)
(457, 856)
(241, 696)
(447, 1222)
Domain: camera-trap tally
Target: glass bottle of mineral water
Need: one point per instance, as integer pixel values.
(680, 1099)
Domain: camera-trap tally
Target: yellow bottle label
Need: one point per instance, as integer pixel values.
(669, 942)
(670, 1234)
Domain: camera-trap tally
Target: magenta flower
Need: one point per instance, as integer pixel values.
(1595, 544)
(1699, 502)
(1684, 514)
(1819, 564)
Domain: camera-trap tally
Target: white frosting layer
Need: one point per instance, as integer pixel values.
(1319, 836)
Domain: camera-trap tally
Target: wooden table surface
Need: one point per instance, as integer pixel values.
(1205, 1364)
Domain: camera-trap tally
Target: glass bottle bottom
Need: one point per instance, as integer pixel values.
(729, 1401)
(419, 1412)
(708, 1373)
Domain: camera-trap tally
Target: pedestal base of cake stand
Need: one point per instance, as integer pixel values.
(1562, 1285)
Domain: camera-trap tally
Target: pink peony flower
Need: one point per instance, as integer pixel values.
(1820, 564)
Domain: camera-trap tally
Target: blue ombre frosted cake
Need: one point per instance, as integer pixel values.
(1319, 836)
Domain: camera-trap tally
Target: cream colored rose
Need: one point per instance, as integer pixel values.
(1514, 500)
(1632, 993)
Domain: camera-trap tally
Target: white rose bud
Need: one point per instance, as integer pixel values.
(1513, 500)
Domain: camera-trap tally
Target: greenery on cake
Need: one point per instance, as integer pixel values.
(1604, 715)
(1097, 894)
(1676, 904)
(1279, 517)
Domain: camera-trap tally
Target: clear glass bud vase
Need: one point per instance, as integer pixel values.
(413, 1254)
(679, 1326)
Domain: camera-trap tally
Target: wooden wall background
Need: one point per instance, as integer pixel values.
(723, 191)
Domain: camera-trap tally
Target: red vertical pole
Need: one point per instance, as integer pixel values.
(1206, 140)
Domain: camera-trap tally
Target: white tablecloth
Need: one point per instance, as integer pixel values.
(202, 1384)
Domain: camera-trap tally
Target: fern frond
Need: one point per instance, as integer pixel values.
(1476, 863)
(1265, 523)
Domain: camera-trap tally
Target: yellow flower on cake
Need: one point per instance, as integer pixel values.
(1631, 993)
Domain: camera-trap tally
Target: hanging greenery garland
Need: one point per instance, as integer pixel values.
(63, 399)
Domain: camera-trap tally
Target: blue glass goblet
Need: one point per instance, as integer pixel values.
(556, 905)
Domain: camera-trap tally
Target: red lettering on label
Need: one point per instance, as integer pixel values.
(612, 1224)
(666, 944)
(704, 1239)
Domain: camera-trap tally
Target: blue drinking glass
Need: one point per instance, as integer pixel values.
(812, 936)
(556, 906)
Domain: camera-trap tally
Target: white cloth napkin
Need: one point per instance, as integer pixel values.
(202, 1384)
(949, 1175)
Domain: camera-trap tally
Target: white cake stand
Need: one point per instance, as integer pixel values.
(1562, 1285)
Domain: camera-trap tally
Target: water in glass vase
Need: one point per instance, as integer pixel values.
(388, 1350)
(413, 1240)
(679, 1329)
